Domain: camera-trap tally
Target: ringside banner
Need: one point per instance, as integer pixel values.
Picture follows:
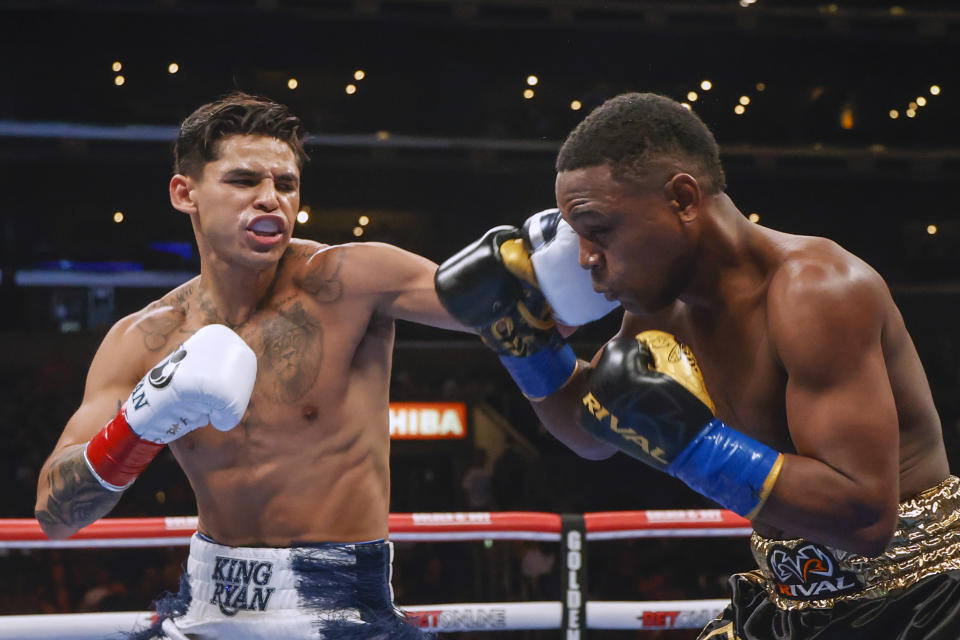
(428, 420)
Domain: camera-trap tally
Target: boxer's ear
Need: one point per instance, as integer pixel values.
(683, 193)
(181, 194)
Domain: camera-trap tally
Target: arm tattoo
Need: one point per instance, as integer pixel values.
(75, 497)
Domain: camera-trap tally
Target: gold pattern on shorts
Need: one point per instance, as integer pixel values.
(926, 542)
(723, 633)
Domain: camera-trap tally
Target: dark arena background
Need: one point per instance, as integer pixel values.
(431, 121)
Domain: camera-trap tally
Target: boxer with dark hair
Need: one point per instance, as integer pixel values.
(284, 347)
(806, 408)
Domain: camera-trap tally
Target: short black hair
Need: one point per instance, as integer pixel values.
(632, 129)
(237, 113)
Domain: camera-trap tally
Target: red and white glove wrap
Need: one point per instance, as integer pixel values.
(206, 380)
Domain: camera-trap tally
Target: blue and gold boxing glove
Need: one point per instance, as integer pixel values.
(646, 396)
(490, 285)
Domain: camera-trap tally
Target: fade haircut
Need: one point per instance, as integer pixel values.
(237, 113)
(634, 129)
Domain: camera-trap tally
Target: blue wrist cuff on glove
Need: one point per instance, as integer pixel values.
(728, 467)
(542, 373)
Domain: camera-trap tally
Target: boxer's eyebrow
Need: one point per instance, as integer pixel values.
(242, 173)
(291, 177)
(250, 174)
(576, 215)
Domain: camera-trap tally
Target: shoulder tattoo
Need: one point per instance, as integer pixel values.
(322, 277)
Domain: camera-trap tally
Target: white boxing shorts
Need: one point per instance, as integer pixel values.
(318, 591)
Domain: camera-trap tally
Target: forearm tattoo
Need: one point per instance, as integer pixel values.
(75, 498)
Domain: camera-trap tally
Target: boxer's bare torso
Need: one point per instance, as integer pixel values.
(800, 343)
(309, 461)
(737, 350)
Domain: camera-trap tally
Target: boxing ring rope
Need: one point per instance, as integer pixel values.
(573, 612)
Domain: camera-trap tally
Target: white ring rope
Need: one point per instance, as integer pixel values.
(488, 616)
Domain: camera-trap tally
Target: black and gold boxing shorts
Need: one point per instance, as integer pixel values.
(804, 590)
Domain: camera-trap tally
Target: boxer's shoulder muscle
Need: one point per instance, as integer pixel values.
(158, 326)
(316, 269)
(821, 289)
(133, 345)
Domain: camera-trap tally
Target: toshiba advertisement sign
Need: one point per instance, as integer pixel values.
(428, 420)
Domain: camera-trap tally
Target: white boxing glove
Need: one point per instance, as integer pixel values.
(556, 262)
(206, 380)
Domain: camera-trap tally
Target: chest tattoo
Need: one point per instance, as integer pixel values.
(292, 353)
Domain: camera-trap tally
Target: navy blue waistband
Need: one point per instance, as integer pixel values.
(300, 543)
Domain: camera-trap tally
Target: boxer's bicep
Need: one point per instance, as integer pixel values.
(840, 409)
(404, 283)
(68, 496)
(112, 375)
(839, 402)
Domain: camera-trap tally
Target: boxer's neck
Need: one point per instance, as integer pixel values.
(732, 257)
(235, 293)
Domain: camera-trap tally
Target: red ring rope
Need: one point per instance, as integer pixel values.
(26, 532)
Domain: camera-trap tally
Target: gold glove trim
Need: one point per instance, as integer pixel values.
(544, 324)
(767, 487)
(677, 361)
(517, 261)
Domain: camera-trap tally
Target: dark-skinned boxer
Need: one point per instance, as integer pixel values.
(806, 408)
